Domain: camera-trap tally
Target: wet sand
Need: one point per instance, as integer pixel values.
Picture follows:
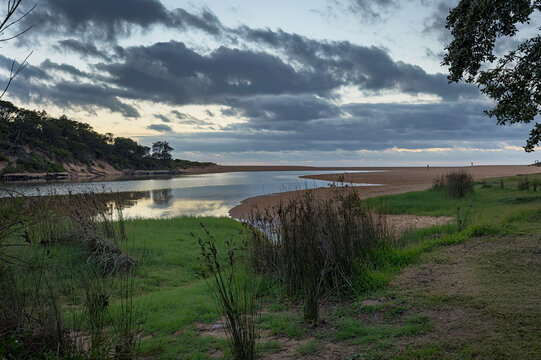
(390, 180)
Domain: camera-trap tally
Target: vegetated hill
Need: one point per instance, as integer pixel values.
(32, 141)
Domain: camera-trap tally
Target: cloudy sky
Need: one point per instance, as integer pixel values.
(313, 82)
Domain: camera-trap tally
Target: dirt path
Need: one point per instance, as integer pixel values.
(482, 298)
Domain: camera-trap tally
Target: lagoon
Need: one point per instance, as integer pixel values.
(186, 195)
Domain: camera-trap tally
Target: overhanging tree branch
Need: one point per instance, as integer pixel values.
(512, 80)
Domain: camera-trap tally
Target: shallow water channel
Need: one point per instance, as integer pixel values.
(186, 195)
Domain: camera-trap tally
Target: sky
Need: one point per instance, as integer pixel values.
(305, 82)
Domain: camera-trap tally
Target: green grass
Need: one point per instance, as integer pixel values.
(357, 332)
(173, 296)
(282, 324)
(489, 205)
(309, 348)
(173, 300)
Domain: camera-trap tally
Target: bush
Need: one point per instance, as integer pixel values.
(315, 246)
(457, 184)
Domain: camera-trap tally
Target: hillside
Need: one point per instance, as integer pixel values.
(33, 142)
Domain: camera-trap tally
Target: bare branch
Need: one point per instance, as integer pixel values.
(19, 18)
(12, 8)
(13, 74)
(6, 23)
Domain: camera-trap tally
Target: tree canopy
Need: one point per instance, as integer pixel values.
(513, 79)
(161, 150)
(35, 142)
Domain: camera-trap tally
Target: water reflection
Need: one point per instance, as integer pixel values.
(192, 195)
(162, 197)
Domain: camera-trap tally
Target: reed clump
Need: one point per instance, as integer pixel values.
(316, 247)
(234, 291)
(457, 184)
(39, 237)
(523, 184)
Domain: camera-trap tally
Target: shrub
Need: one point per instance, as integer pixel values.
(316, 246)
(457, 184)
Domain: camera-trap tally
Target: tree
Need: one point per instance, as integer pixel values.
(162, 151)
(6, 23)
(514, 79)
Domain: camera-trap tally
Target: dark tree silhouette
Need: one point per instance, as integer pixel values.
(512, 80)
(162, 151)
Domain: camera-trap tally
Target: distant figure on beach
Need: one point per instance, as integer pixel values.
(472, 164)
(427, 167)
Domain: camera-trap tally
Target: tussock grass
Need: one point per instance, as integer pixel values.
(316, 247)
(457, 184)
(57, 251)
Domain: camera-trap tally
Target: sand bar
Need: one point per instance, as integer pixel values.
(392, 180)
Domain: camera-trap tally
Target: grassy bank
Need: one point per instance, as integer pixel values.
(468, 289)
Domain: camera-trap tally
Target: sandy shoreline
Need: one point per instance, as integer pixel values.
(392, 180)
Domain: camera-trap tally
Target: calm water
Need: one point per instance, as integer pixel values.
(194, 195)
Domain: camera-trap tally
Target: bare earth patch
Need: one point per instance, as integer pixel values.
(401, 223)
(482, 298)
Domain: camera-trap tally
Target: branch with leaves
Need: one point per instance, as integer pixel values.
(512, 80)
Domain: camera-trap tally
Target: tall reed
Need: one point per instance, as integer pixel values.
(234, 291)
(34, 282)
(457, 184)
(318, 246)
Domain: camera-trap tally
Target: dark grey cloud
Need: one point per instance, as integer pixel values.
(176, 74)
(373, 9)
(110, 19)
(206, 21)
(340, 63)
(303, 74)
(81, 48)
(434, 25)
(36, 85)
(209, 113)
(283, 112)
(49, 65)
(163, 118)
(179, 75)
(368, 127)
(29, 72)
(87, 96)
(187, 119)
(160, 128)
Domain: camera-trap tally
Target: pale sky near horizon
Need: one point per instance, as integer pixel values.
(319, 82)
